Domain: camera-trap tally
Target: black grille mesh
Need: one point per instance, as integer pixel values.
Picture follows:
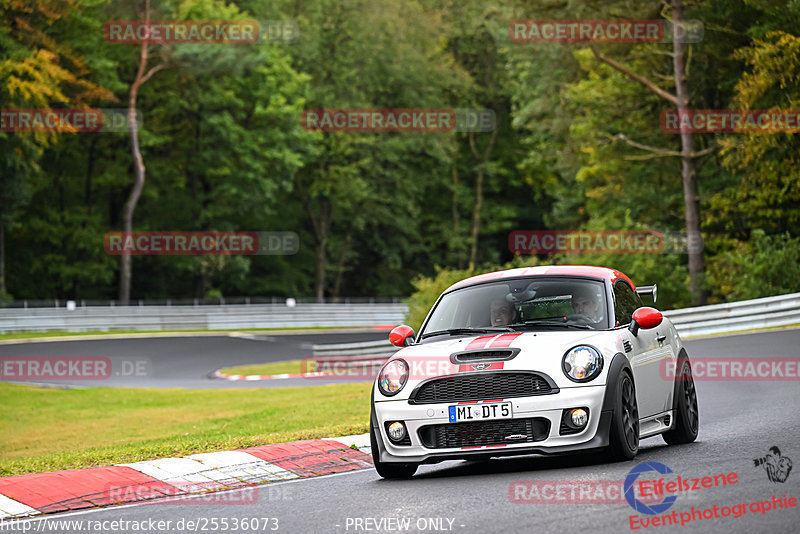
(481, 386)
(479, 433)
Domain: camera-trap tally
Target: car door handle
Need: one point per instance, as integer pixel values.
(661, 339)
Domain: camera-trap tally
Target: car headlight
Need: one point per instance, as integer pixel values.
(393, 377)
(582, 363)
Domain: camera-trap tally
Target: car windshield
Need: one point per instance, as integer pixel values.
(520, 304)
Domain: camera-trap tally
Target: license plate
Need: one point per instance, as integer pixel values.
(479, 412)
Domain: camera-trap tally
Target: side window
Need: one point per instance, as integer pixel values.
(625, 302)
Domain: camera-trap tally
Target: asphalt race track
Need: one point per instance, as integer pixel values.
(739, 421)
(186, 362)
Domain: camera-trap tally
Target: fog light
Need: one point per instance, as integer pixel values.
(579, 417)
(397, 431)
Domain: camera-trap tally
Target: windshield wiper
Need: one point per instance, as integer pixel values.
(547, 322)
(456, 331)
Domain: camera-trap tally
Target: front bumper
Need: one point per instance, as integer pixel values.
(543, 407)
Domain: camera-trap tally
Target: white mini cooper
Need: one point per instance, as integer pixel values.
(536, 360)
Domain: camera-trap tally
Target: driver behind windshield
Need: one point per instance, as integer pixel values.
(585, 301)
(502, 312)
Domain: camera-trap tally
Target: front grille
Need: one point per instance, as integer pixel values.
(480, 433)
(481, 386)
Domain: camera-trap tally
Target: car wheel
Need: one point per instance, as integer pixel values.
(684, 406)
(624, 436)
(384, 469)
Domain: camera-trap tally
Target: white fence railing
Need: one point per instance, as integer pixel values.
(734, 316)
(104, 318)
(715, 319)
(379, 348)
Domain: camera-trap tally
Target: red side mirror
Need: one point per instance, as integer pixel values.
(401, 336)
(645, 318)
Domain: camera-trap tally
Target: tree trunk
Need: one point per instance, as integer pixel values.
(126, 273)
(691, 198)
(2, 258)
(454, 201)
(481, 160)
(320, 225)
(454, 244)
(337, 282)
(320, 266)
(476, 218)
(130, 206)
(325, 216)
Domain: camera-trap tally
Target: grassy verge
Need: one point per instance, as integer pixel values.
(46, 429)
(274, 368)
(62, 333)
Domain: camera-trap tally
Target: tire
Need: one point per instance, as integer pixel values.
(624, 432)
(684, 406)
(385, 469)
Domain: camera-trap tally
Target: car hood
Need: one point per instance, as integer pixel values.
(540, 351)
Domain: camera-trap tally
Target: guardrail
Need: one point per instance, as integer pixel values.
(703, 320)
(380, 348)
(715, 319)
(744, 315)
(222, 301)
(199, 318)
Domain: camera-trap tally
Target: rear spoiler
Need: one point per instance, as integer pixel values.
(648, 290)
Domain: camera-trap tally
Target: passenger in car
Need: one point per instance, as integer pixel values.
(586, 302)
(502, 312)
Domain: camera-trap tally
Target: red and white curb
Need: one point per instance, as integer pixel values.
(171, 478)
(223, 376)
(337, 369)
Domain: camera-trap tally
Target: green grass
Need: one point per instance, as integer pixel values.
(62, 333)
(44, 429)
(275, 368)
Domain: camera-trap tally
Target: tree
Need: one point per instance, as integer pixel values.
(142, 75)
(687, 154)
(36, 71)
(360, 58)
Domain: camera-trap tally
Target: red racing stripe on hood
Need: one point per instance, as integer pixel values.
(504, 340)
(479, 342)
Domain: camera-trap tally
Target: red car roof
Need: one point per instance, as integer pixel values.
(603, 273)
